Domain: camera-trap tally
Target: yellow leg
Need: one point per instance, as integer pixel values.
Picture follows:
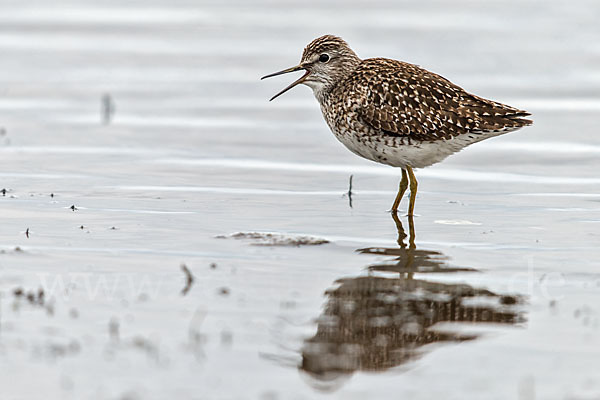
(413, 191)
(401, 191)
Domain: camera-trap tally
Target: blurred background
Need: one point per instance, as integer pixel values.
(132, 133)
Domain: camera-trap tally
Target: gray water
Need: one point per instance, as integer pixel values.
(497, 299)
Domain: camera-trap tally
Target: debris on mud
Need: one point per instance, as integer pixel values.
(189, 279)
(33, 298)
(276, 239)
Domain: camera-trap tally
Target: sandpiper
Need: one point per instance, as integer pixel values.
(397, 113)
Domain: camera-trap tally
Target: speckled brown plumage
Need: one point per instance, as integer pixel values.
(397, 113)
(402, 99)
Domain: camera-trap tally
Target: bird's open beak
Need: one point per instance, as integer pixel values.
(286, 71)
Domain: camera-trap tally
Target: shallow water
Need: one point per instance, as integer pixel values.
(495, 297)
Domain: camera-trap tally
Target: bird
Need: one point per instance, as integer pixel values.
(394, 112)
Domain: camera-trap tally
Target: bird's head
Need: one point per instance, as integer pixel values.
(326, 60)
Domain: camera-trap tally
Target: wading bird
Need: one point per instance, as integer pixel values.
(396, 113)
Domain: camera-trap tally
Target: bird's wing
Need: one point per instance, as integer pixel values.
(402, 99)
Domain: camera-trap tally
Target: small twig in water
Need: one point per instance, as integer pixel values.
(350, 191)
(27, 233)
(108, 108)
(189, 279)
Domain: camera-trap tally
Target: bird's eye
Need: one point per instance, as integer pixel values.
(324, 58)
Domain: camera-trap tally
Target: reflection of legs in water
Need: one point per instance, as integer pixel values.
(400, 229)
(411, 239)
(402, 233)
(411, 230)
(408, 260)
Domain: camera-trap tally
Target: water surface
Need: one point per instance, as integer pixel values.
(492, 293)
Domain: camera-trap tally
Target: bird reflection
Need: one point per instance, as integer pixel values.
(372, 323)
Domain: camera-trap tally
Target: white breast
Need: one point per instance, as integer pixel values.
(396, 151)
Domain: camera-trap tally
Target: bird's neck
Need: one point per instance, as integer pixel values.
(322, 90)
